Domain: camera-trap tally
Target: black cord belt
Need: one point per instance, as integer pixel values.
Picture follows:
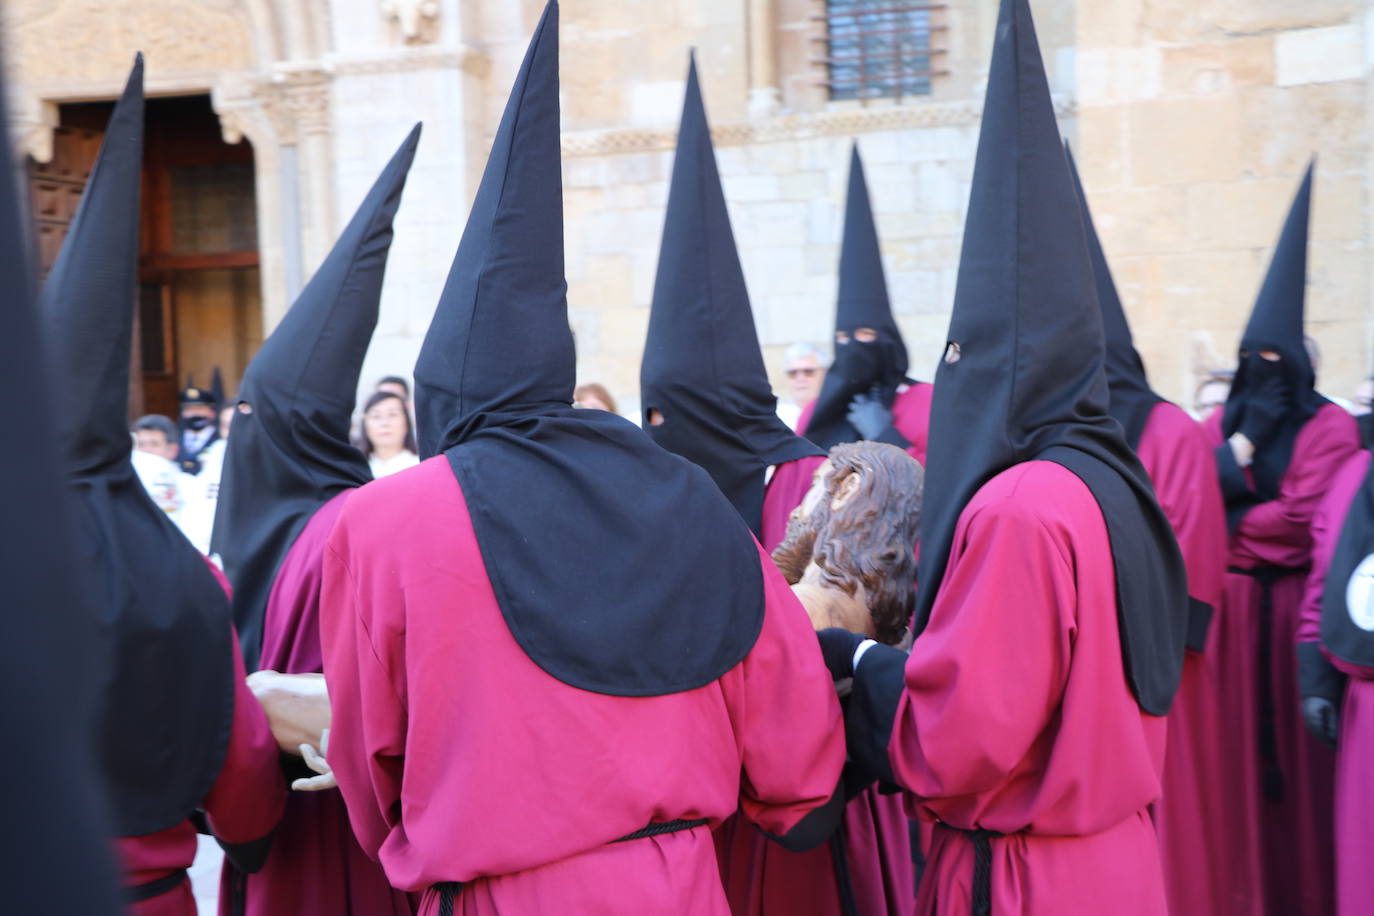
(982, 867)
(450, 889)
(147, 891)
(1272, 772)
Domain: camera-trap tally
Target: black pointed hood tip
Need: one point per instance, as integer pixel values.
(863, 299)
(1277, 319)
(550, 488)
(316, 352)
(703, 369)
(87, 301)
(1132, 399)
(1028, 383)
(500, 335)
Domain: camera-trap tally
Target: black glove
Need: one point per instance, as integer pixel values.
(1265, 409)
(872, 419)
(838, 646)
(1321, 717)
(869, 415)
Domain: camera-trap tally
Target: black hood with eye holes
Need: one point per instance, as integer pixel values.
(1029, 383)
(1276, 323)
(703, 370)
(292, 454)
(860, 367)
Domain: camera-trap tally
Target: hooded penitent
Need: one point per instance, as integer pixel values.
(1023, 378)
(703, 370)
(289, 452)
(1270, 400)
(619, 567)
(861, 367)
(1347, 626)
(53, 828)
(1131, 396)
(166, 704)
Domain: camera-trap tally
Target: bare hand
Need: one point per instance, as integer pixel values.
(317, 762)
(1242, 448)
(297, 707)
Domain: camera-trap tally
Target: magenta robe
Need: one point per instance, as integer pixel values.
(1017, 717)
(316, 867)
(242, 806)
(1354, 792)
(910, 415)
(461, 760)
(1192, 818)
(761, 877)
(785, 491)
(1295, 832)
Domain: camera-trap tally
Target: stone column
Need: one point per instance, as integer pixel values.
(765, 96)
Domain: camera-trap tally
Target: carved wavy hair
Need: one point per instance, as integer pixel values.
(871, 540)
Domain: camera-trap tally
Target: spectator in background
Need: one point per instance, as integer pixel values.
(154, 459)
(388, 436)
(805, 364)
(397, 386)
(156, 435)
(1211, 394)
(594, 396)
(1363, 410)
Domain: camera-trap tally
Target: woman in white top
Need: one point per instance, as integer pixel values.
(388, 439)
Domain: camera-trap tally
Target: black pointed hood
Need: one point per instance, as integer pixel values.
(1132, 399)
(554, 491)
(90, 287)
(167, 699)
(217, 387)
(703, 370)
(1028, 381)
(1276, 323)
(289, 452)
(54, 826)
(860, 367)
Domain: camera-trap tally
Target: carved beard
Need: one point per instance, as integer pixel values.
(793, 555)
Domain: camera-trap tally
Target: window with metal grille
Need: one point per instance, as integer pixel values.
(880, 48)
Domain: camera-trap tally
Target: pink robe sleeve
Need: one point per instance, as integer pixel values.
(249, 794)
(986, 676)
(1327, 523)
(368, 726)
(1279, 532)
(786, 716)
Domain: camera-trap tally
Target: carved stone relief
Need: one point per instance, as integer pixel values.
(416, 20)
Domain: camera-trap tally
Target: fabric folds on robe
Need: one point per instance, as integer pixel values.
(1017, 716)
(910, 417)
(1354, 802)
(1274, 539)
(1192, 818)
(316, 867)
(420, 640)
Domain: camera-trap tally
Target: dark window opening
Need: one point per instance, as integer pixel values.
(877, 49)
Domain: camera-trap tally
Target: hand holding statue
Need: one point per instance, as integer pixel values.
(297, 707)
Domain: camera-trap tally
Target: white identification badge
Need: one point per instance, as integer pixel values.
(1359, 595)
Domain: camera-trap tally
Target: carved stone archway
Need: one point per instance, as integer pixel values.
(258, 60)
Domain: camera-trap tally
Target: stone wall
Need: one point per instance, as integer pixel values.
(1196, 120)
